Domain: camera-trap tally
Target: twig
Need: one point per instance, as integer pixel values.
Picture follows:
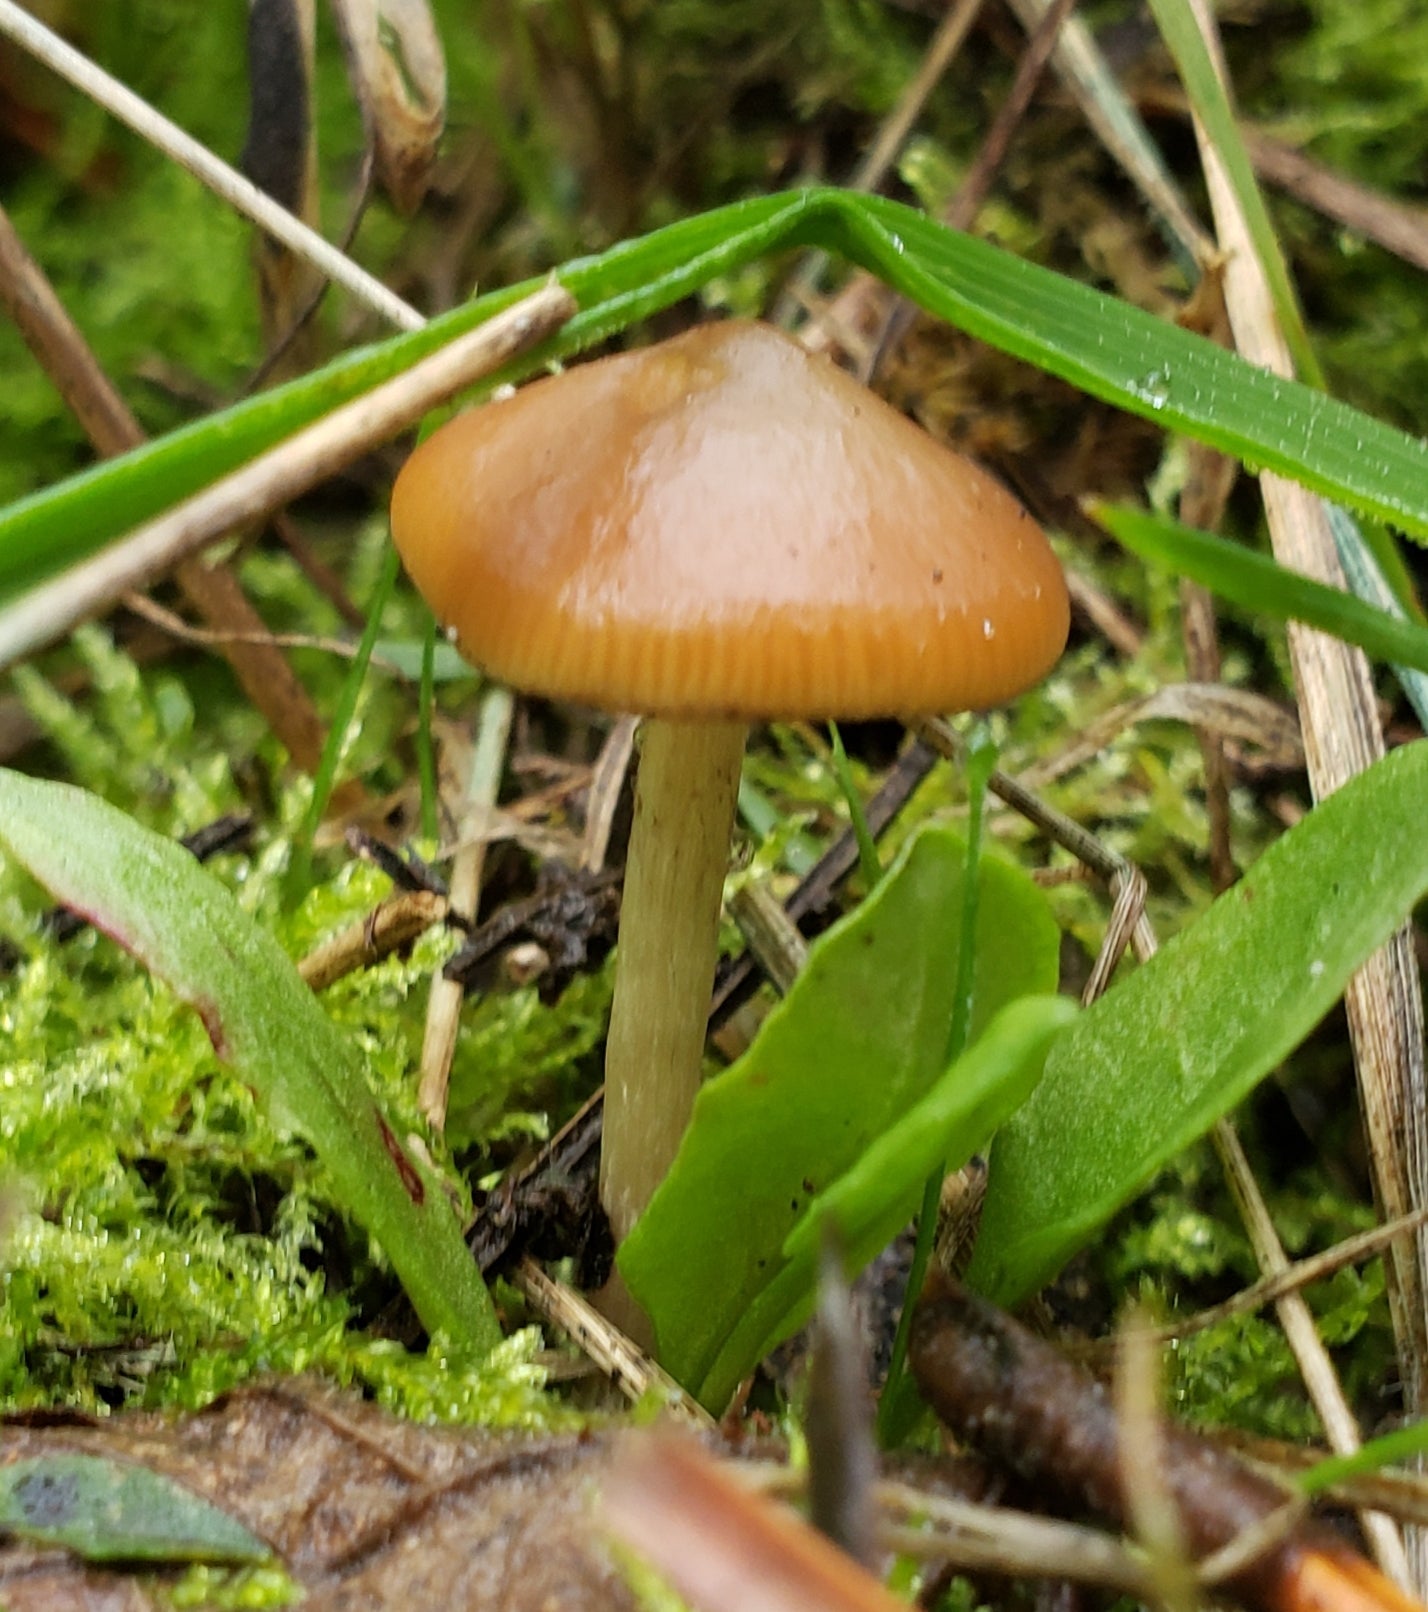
(1289, 1279)
(397, 922)
(61, 350)
(607, 779)
(1310, 1355)
(972, 192)
(271, 480)
(632, 1371)
(872, 170)
(1083, 69)
(238, 192)
(1021, 1403)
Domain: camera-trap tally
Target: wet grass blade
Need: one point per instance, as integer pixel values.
(1108, 348)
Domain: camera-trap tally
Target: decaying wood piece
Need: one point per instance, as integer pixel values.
(1022, 1404)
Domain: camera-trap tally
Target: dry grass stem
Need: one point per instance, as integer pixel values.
(1084, 71)
(941, 52)
(55, 608)
(443, 1006)
(607, 781)
(1126, 920)
(772, 936)
(1222, 712)
(225, 182)
(1151, 1512)
(1342, 737)
(632, 1371)
(213, 590)
(977, 183)
(1292, 1278)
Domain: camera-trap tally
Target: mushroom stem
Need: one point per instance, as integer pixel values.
(669, 929)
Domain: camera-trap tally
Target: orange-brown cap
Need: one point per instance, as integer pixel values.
(724, 525)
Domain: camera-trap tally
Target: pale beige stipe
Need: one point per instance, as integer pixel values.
(724, 525)
(669, 931)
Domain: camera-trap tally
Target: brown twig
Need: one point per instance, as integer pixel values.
(396, 923)
(977, 182)
(1026, 1407)
(241, 634)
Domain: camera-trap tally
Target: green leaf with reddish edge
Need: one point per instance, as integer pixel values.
(117, 1511)
(876, 1197)
(859, 1041)
(1172, 1047)
(158, 903)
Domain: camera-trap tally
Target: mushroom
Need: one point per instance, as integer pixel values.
(710, 531)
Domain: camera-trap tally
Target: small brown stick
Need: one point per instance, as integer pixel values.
(977, 182)
(1026, 1407)
(607, 780)
(838, 1418)
(990, 1539)
(58, 345)
(1093, 85)
(1297, 1320)
(387, 928)
(1398, 227)
(771, 935)
(1151, 1511)
(941, 52)
(1271, 1288)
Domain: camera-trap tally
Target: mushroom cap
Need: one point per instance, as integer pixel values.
(724, 525)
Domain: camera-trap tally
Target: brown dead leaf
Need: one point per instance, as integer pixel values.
(398, 73)
(363, 1509)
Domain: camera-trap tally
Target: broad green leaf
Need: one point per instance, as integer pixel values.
(1107, 347)
(879, 1193)
(1259, 583)
(1178, 1043)
(155, 900)
(859, 1040)
(116, 1511)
